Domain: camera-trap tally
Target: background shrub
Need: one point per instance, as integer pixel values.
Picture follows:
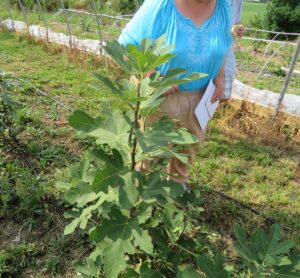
(126, 6)
(283, 15)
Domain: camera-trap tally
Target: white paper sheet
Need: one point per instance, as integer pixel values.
(206, 109)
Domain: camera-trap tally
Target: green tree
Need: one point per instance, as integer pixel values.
(126, 6)
(134, 219)
(283, 15)
(141, 224)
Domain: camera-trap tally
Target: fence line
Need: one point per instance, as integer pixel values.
(126, 16)
(269, 41)
(268, 61)
(95, 15)
(268, 47)
(272, 32)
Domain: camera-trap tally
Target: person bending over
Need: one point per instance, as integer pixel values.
(200, 33)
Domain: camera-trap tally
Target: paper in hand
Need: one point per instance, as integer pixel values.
(206, 109)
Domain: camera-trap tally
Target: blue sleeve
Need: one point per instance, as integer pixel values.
(147, 23)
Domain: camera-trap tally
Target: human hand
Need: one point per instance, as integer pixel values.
(238, 30)
(219, 90)
(134, 80)
(172, 90)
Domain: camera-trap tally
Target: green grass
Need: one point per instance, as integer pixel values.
(251, 61)
(80, 25)
(253, 173)
(250, 10)
(33, 204)
(69, 82)
(256, 174)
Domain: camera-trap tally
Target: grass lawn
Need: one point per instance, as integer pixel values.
(82, 26)
(250, 10)
(260, 175)
(254, 173)
(50, 146)
(250, 61)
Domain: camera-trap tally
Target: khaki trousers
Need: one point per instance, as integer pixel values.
(181, 106)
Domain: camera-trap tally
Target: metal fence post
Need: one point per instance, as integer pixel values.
(67, 21)
(24, 12)
(10, 15)
(288, 79)
(44, 19)
(98, 25)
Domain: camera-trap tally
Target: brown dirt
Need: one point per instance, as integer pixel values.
(46, 229)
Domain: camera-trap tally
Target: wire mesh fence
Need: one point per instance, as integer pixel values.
(263, 57)
(98, 20)
(264, 62)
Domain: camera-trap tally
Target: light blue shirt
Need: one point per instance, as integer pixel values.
(236, 6)
(200, 49)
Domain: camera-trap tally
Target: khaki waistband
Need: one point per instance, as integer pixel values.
(193, 93)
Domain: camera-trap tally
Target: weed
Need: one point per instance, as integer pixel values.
(14, 260)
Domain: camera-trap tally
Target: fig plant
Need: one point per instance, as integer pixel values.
(136, 220)
(140, 223)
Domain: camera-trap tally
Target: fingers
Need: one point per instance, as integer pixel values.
(238, 30)
(214, 98)
(176, 88)
(134, 80)
(172, 90)
(218, 94)
(241, 31)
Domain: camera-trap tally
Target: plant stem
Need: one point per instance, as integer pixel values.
(183, 249)
(136, 124)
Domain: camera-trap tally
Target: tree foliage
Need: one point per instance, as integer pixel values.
(283, 15)
(267, 253)
(141, 224)
(139, 217)
(126, 6)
